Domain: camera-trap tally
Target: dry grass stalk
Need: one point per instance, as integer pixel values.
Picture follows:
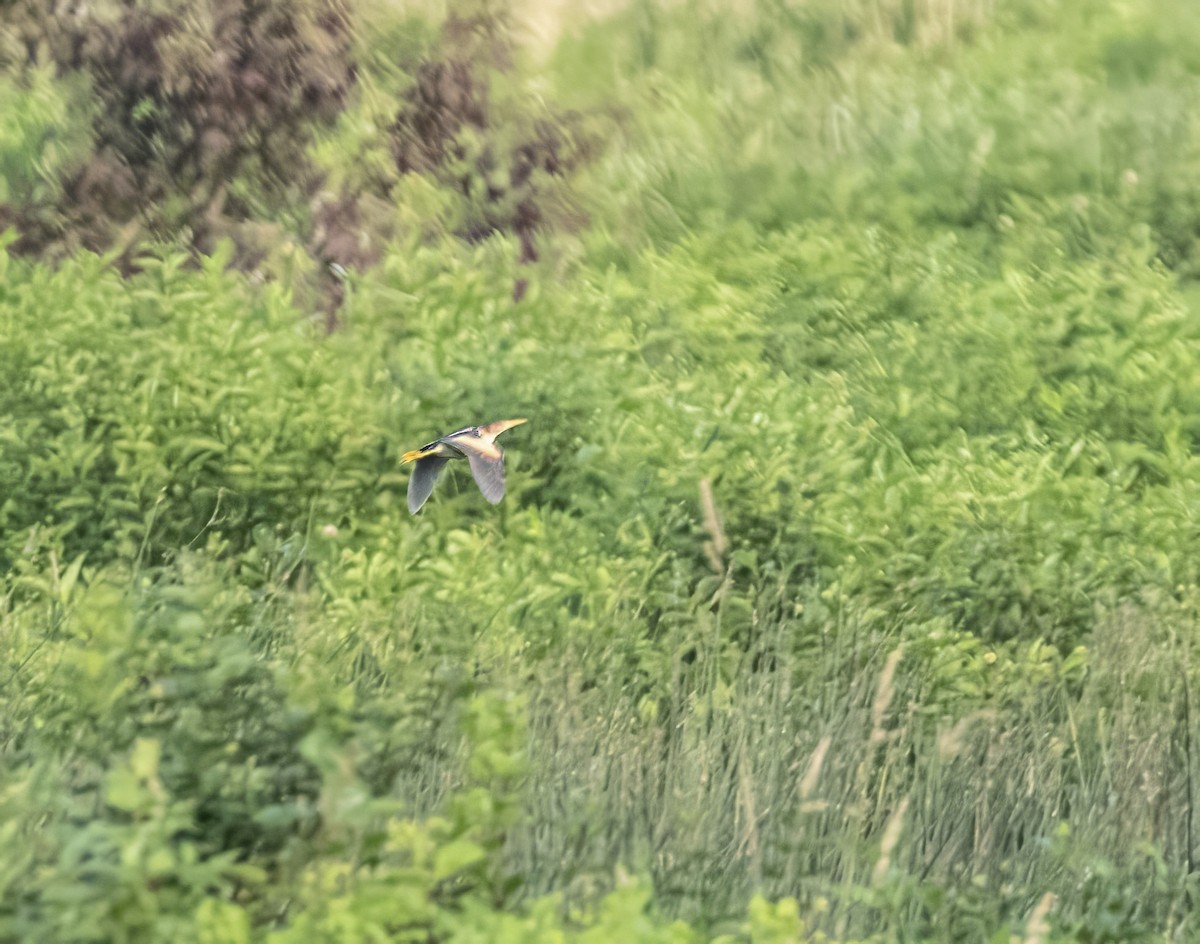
(950, 740)
(883, 694)
(1037, 927)
(749, 844)
(808, 782)
(891, 836)
(716, 546)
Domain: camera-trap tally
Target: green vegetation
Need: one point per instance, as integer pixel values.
(846, 587)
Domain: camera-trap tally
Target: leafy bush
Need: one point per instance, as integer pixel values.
(845, 583)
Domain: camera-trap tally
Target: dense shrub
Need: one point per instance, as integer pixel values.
(845, 586)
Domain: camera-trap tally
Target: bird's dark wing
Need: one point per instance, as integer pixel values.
(487, 466)
(424, 475)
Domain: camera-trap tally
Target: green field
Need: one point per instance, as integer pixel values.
(847, 587)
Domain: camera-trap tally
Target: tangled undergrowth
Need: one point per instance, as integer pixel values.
(846, 585)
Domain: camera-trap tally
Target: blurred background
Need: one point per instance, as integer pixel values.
(846, 585)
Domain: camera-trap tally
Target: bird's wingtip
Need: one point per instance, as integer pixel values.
(492, 430)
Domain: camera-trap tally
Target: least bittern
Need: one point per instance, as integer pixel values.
(476, 444)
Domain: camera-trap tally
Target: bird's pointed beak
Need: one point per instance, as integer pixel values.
(415, 455)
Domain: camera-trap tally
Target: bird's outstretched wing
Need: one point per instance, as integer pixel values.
(487, 466)
(424, 476)
(489, 431)
(487, 459)
(478, 444)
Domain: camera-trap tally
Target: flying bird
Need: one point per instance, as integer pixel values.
(476, 444)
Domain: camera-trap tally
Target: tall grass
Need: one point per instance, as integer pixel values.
(834, 778)
(846, 583)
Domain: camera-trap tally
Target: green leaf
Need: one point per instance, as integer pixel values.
(124, 791)
(69, 578)
(144, 759)
(456, 856)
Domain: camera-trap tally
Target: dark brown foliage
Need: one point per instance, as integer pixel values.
(504, 166)
(188, 98)
(203, 111)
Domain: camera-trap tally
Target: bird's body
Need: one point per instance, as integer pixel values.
(476, 444)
